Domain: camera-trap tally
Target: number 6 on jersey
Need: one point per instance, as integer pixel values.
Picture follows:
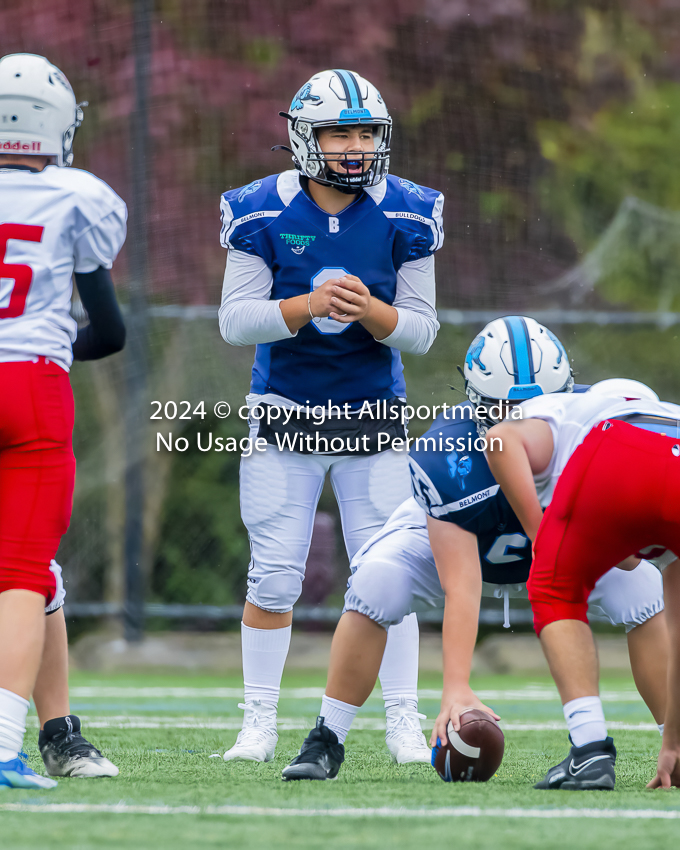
(327, 325)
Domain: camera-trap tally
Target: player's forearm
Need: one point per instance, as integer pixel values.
(459, 635)
(248, 315)
(250, 321)
(510, 466)
(671, 735)
(414, 333)
(414, 302)
(381, 319)
(671, 732)
(105, 333)
(295, 312)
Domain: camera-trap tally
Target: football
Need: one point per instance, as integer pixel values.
(474, 754)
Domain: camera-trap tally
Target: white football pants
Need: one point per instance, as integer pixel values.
(394, 574)
(279, 493)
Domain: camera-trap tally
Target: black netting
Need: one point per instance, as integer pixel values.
(552, 128)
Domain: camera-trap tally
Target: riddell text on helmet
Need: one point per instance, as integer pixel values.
(31, 147)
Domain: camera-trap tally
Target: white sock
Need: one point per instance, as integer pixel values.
(264, 654)
(13, 711)
(585, 720)
(399, 668)
(338, 716)
(660, 725)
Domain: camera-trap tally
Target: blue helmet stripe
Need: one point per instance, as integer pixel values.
(351, 87)
(357, 89)
(520, 344)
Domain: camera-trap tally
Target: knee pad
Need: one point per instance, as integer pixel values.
(275, 591)
(380, 592)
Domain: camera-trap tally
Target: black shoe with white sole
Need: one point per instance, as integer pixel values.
(66, 753)
(320, 756)
(586, 768)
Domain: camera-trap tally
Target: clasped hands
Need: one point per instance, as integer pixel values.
(344, 299)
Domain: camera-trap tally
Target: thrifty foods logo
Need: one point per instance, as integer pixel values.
(297, 242)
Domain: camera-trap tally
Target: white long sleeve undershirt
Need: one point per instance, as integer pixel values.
(247, 316)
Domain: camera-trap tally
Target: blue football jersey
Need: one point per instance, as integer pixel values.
(451, 481)
(386, 226)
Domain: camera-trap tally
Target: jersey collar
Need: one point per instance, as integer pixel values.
(17, 167)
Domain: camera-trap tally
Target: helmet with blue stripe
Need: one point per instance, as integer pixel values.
(513, 359)
(329, 99)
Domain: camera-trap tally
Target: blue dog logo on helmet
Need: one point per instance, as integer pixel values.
(459, 468)
(249, 189)
(305, 94)
(474, 353)
(411, 188)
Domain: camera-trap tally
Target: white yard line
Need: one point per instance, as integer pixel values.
(385, 812)
(372, 724)
(532, 693)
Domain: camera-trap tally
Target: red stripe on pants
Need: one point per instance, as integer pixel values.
(37, 472)
(619, 492)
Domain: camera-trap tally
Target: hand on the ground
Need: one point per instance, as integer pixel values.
(452, 709)
(667, 768)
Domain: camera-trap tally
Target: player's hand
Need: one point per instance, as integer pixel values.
(667, 768)
(320, 299)
(451, 710)
(351, 300)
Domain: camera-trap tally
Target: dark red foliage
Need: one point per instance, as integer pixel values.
(466, 80)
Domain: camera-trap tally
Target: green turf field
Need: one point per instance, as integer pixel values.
(161, 731)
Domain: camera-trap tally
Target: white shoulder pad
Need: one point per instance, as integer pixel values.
(101, 219)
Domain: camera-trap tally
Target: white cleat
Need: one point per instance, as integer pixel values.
(257, 739)
(404, 735)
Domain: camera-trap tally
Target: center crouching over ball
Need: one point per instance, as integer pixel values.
(472, 755)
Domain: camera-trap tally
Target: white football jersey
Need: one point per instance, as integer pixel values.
(52, 223)
(572, 416)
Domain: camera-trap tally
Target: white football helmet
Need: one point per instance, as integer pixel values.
(326, 100)
(623, 388)
(513, 359)
(38, 110)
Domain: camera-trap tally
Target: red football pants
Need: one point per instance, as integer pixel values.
(37, 472)
(619, 492)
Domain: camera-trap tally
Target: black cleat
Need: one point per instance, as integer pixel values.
(320, 756)
(586, 768)
(66, 753)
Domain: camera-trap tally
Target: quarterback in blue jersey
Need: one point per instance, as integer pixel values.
(330, 273)
(458, 538)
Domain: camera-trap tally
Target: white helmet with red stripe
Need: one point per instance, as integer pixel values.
(38, 110)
